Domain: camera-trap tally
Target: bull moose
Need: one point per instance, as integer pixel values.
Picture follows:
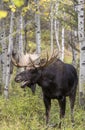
(57, 80)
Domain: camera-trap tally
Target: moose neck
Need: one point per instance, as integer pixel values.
(40, 77)
(37, 79)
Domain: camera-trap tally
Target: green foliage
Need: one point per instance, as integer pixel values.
(25, 111)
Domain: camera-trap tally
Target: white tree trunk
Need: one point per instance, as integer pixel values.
(16, 45)
(4, 51)
(37, 28)
(56, 26)
(4, 55)
(56, 29)
(51, 20)
(74, 56)
(62, 55)
(74, 51)
(21, 46)
(21, 40)
(82, 51)
(9, 53)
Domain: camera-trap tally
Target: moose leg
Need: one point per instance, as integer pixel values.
(72, 101)
(47, 103)
(62, 104)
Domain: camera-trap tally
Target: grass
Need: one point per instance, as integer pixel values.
(24, 111)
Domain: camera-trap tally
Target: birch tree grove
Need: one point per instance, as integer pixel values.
(58, 16)
(82, 51)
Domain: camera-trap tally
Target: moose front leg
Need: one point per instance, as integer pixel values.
(62, 104)
(47, 103)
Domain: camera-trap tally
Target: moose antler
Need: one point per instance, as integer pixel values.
(25, 60)
(36, 62)
(45, 62)
(32, 63)
(50, 59)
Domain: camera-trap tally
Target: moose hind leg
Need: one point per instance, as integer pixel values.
(72, 101)
(62, 104)
(47, 103)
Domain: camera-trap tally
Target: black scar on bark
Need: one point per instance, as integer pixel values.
(83, 48)
(83, 63)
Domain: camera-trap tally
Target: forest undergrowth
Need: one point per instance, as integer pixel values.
(25, 111)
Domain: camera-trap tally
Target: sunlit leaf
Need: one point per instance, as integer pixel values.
(3, 14)
(18, 3)
(25, 9)
(12, 7)
(13, 10)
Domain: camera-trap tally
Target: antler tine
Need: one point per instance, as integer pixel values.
(32, 63)
(44, 64)
(49, 58)
(18, 64)
(15, 63)
(52, 58)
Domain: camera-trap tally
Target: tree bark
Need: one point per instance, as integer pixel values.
(62, 55)
(0, 74)
(21, 46)
(82, 52)
(51, 20)
(4, 50)
(9, 53)
(56, 26)
(74, 56)
(37, 28)
(21, 40)
(4, 54)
